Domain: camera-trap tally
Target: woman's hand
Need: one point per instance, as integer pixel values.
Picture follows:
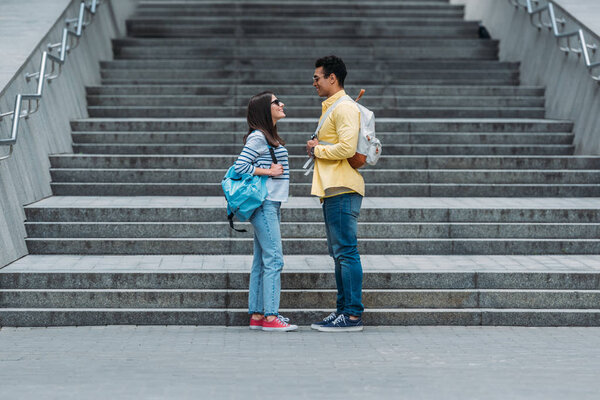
(276, 170)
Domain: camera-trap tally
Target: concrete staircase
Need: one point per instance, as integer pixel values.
(387, 226)
(471, 166)
(220, 298)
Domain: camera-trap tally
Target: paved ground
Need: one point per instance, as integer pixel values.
(381, 362)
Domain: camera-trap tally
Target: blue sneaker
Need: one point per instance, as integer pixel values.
(325, 321)
(342, 323)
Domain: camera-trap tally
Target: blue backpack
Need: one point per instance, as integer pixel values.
(244, 193)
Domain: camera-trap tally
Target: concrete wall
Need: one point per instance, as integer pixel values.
(17, 43)
(25, 177)
(570, 92)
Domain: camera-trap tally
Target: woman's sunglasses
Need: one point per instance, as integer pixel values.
(277, 102)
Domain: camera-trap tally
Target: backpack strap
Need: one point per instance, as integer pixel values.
(272, 153)
(230, 219)
(329, 111)
(308, 165)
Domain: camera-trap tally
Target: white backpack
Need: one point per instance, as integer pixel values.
(368, 149)
(368, 144)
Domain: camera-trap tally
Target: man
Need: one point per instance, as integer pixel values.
(341, 189)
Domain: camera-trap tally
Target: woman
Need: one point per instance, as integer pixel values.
(264, 110)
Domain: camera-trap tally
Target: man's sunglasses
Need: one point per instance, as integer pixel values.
(277, 102)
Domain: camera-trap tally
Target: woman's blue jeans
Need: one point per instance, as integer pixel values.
(341, 223)
(265, 277)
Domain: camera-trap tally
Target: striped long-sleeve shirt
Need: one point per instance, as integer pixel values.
(255, 154)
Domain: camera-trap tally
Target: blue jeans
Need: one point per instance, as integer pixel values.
(265, 277)
(341, 223)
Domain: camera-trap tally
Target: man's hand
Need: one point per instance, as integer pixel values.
(310, 146)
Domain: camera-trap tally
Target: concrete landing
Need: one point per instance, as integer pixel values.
(237, 263)
(308, 202)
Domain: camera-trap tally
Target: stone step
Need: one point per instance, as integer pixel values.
(236, 64)
(371, 175)
(183, 16)
(304, 112)
(290, 76)
(436, 81)
(433, 54)
(425, 11)
(309, 124)
(249, 29)
(388, 138)
(356, 58)
(218, 279)
(309, 230)
(529, 246)
(267, 6)
(387, 49)
(307, 90)
(298, 150)
(294, 102)
(275, 44)
(296, 162)
(476, 78)
(277, 6)
(300, 189)
(299, 299)
(239, 317)
(484, 51)
(317, 21)
(175, 4)
(308, 210)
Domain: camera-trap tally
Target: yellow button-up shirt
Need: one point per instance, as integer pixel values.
(332, 169)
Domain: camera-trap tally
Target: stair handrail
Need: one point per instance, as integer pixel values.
(538, 9)
(71, 34)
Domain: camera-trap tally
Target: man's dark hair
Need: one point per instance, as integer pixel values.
(332, 64)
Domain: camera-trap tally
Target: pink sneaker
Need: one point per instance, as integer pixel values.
(278, 324)
(256, 323)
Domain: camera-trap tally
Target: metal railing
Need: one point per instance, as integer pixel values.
(70, 40)
(543, 14)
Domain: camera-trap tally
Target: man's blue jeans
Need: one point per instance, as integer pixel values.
(265, 277)
(341, 223)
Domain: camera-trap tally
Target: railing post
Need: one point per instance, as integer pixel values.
(554, 21)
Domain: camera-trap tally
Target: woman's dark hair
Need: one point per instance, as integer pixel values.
(333, 64)
(259, 118)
